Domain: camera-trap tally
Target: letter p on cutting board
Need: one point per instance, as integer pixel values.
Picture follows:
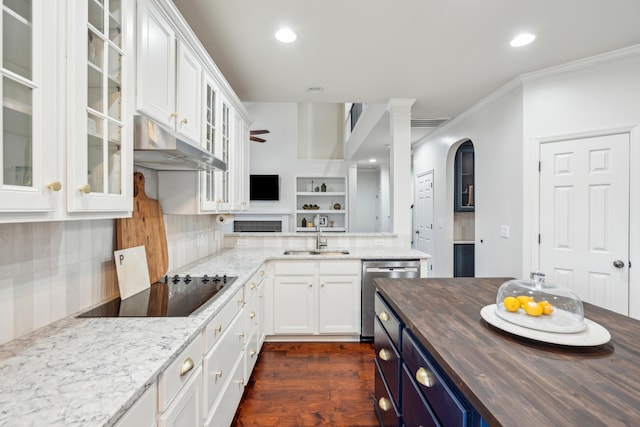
(132, 270)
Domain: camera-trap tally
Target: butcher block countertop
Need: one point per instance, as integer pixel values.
(514, 381)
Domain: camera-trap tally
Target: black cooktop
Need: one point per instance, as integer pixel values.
(178, 296)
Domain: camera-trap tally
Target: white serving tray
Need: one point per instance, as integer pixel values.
(593, 333)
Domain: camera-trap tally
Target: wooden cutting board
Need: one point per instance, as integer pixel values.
(145, 227)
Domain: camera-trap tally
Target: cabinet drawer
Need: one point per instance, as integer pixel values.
(171, 380)
(254, 283)
(224, 411)
(219, 324)
(389, 361)
(143, 412)
(294, 268)
(251, 354)
(389, 320)
(185, 408)
(250, 315)
(387, 412)
(415, 410)
(339, 267)
(444, 401)
(218, 363)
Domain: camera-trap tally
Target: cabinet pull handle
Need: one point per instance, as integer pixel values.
(184, 121)
(252, 315)
(219, 374)
(310, 285)
(384, 316)
(187, 365)
(425, 377)
(218, 329)
(54, 185)
(253, 286)
(322, 285)
(240, 382)
(241, 334)
(253, 352)
(174, 115)
(261, 272)
(384, 355)
(384, 404)
(86, 189)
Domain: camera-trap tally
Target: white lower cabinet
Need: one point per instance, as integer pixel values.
(316, 298)
(143, 413)
(180, 389)
(184, 410)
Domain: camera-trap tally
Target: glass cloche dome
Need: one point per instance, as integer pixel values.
(540, 305)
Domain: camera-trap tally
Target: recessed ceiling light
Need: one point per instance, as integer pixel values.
(315, 90)
(372, 160)
(286, 35)
(522, 39)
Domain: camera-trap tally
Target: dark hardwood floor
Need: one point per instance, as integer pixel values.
(310, 384)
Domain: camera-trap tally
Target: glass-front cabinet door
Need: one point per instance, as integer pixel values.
(100, 149)
(211, 119)
(222, 151)
(28, 178)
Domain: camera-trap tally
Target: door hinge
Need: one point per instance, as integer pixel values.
(539, 166)
(539, 239)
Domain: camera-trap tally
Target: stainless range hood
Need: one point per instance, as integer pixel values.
(157, 148)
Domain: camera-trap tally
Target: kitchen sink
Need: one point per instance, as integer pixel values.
(315, 252)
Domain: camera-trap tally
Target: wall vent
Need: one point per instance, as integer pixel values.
(427, 123)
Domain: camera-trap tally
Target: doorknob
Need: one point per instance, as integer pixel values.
(618, 263)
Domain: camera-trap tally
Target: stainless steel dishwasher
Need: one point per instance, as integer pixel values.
(392, 269)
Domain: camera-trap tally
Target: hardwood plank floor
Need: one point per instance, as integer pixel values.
(310, 384)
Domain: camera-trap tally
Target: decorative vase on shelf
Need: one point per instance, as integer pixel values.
(323, 187)
(317, 189)
(304, 222)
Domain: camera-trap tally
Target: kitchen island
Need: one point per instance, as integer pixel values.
(514, 381)
(90, 371)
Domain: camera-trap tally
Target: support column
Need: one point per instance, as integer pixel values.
(400, 168)
(352, 203)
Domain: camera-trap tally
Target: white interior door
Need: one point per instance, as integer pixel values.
(424, 213)
(584, 218)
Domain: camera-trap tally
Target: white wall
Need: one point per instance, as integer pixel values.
(496, 132)
(279, 155)
(594, 96)
(603, 98)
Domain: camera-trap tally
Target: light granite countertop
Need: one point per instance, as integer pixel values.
(89, 372)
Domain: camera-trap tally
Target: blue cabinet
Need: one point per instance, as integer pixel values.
(411, 389)
(464, 197)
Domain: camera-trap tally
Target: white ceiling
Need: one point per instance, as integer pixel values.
(446, 54)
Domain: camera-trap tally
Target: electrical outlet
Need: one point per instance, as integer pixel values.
(378, 242)
(504, 231)
(241, 243)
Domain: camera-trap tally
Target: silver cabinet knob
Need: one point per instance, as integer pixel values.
(618, 263)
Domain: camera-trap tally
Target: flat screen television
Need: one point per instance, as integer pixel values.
(264, 187)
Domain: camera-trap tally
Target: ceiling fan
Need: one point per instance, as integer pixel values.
(257, 132)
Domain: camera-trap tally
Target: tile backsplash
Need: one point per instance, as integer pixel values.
(50, 270)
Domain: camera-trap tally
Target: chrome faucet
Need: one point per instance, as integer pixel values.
(321, 242)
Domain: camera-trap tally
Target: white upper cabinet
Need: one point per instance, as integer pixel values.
(30, 179)
(169, 74)
(67, 106)
(100, 126)
(240, 164)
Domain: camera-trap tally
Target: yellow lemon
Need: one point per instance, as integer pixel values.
(524, 299)
(532, 308)
(511, 304)
(547, 308)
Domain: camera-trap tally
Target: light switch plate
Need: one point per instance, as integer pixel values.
(504, 231)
